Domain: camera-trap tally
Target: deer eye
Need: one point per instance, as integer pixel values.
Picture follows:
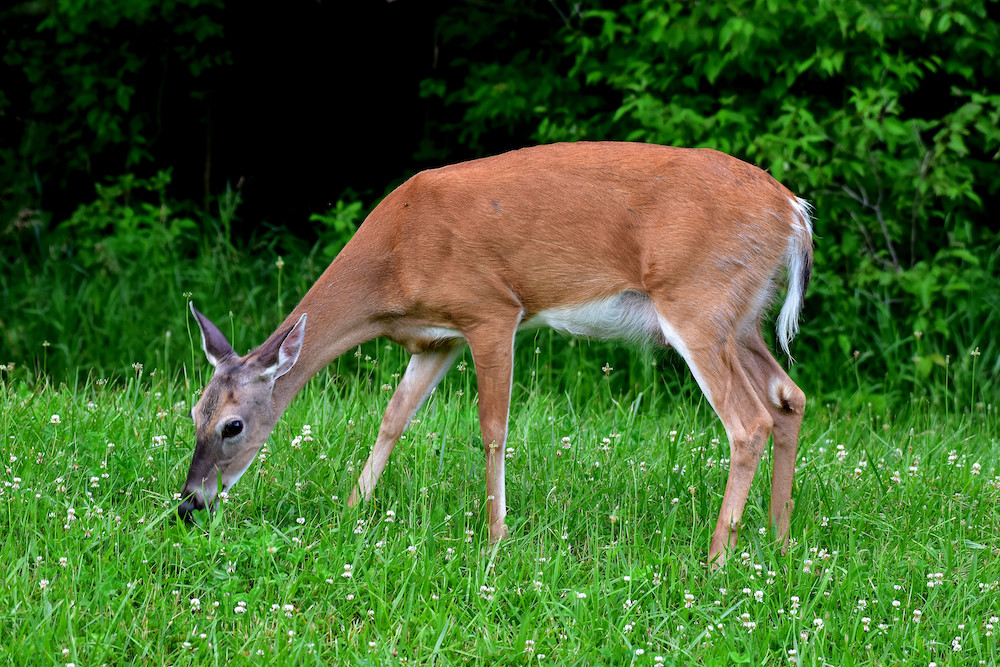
(232, 428)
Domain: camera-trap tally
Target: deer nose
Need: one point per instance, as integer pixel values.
(188, 507)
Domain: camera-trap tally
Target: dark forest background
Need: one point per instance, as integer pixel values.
(152, 152)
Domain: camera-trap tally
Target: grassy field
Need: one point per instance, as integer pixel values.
(613, 488)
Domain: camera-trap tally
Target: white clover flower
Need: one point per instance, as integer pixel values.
(54, 419)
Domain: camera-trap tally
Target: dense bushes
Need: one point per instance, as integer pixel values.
(885, 116)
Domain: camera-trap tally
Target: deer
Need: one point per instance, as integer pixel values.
(681, 248)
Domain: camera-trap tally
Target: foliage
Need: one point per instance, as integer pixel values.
(338, 225)
(885, 116)
(72, 90)
(108, 287)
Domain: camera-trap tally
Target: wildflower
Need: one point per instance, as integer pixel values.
(607, 368)
(529, 646)
(54, 419)
(43, 584)
(301, 520)
(581, 596)
(347, 574)
(917, 615)
(195, 603)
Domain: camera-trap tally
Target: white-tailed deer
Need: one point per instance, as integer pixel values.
(682, 248)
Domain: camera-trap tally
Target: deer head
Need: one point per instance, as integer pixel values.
(236, 411)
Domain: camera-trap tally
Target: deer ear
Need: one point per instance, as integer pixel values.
(279, 359)
(213, 342)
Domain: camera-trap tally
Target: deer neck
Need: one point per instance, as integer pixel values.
(345, 309)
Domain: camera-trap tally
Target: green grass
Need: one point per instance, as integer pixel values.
(613, 488)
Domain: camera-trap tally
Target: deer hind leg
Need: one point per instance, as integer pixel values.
(715, 362)
(785, 402)
(423, 374)
(493, 354)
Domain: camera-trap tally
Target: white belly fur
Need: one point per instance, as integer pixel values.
(626, 316)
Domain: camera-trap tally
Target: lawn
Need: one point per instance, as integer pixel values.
(613, 489)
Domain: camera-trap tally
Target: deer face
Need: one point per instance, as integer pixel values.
(236, 413)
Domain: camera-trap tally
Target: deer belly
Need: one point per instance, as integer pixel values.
(626, 316)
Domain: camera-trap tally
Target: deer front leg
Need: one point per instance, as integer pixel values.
(493, 354)
(423, 374)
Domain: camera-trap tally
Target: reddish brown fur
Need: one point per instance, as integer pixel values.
(480, 247)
